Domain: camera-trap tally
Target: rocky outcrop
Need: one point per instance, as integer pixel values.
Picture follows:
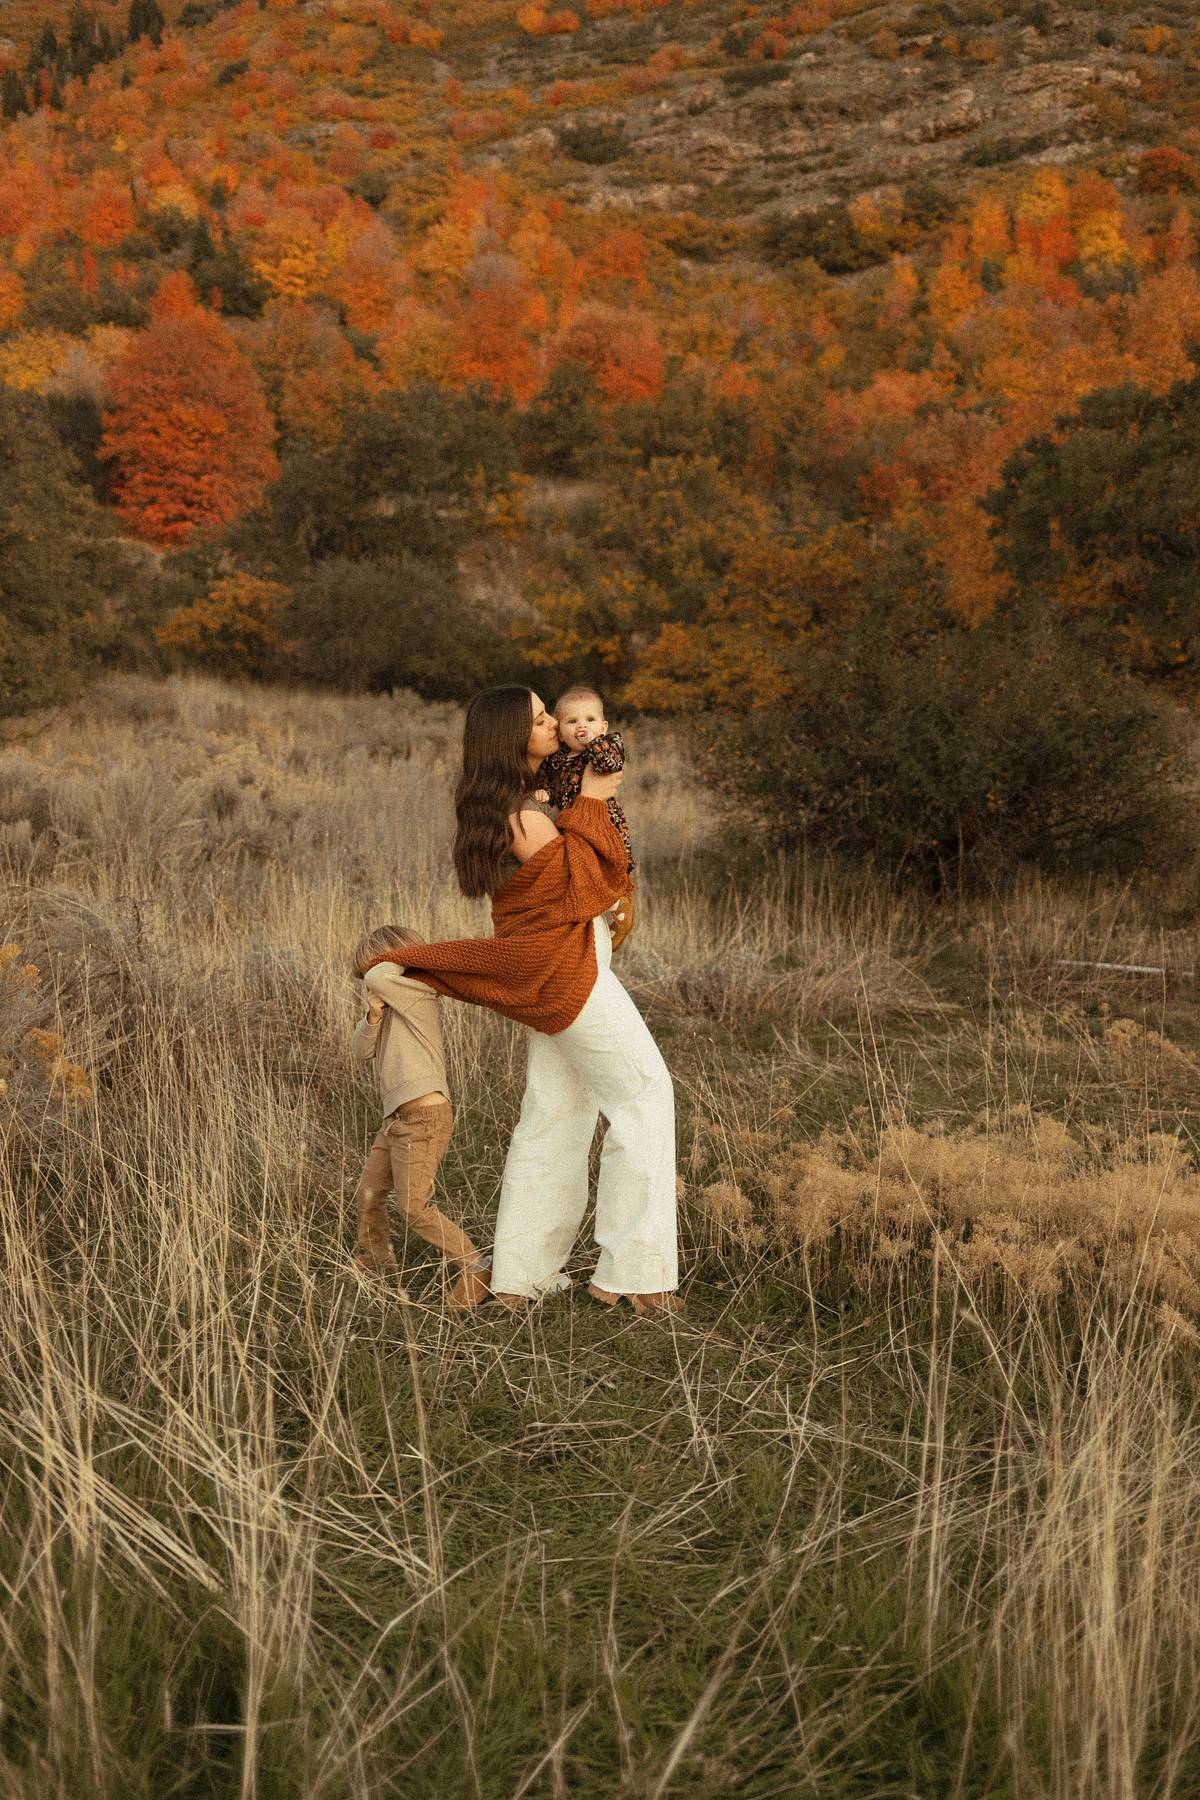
(843, 119)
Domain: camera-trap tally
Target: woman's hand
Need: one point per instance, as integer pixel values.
(601, 787)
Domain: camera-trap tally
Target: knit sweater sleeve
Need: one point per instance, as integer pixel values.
(595, 859)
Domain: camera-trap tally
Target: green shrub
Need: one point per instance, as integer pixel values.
(61, 567)
(927, 203)
(595, 144)
(223, 270)
(411, 474)
(397, 623)
(560, 429)
(994, 151)
(700, 240)
(961, 755)
(755, 75)
(1107, 503)
(824, 235)
(686, 421)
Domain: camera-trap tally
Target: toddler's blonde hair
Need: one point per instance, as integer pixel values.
(384, 937)
(581, 691)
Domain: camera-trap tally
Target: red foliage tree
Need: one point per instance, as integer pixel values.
(1167, 171)
(186, 429)
(620, 348)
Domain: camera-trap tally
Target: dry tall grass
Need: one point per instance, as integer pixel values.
(907, 1505)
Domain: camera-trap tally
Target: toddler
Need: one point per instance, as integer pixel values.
(584, 738)
(402, 1034)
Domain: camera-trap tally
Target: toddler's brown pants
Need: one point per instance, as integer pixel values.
(403, 1161)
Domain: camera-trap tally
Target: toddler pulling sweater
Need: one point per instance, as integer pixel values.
(541, 965)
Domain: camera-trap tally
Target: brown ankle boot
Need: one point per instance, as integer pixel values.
(472, 1288)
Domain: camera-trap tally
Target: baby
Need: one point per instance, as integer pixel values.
(402, 1035)
(584, 738)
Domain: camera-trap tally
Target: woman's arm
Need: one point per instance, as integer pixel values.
(530, 832)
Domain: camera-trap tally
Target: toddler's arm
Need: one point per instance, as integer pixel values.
(606, 753)
(386, 985)
(548, 790)
(366, 1032)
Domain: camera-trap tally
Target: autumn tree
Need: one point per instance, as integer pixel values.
(235, 629)
(186, 430)
(1100, 517)
(61, 568)
(619, 347)
(780, 596)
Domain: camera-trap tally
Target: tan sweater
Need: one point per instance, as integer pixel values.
(407, 1042)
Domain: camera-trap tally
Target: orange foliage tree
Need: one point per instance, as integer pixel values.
(186, 429)
(310, 375)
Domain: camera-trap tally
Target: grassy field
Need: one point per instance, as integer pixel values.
(905, 1505)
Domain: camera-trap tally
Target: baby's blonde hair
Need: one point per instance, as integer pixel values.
(383, 938)
(581, 691)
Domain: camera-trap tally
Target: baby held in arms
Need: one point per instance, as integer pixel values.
(584, 738)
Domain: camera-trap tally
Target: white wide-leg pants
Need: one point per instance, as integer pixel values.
(605, 1064)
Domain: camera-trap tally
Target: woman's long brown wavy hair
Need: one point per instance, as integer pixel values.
(495, 774)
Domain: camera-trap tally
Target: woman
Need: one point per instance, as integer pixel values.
(551, 882)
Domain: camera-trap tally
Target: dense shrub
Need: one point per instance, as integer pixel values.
(397, 622)
(961, 755)
(1167, 171)
(754, 75)
(994, 151)
(686, 420)
(560, 429)
(824, 235)
(929, 203)
(223, 276)
(594, 144)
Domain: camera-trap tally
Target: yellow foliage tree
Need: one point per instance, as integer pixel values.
(953, 293)
(1044, 197)
(290, 255)
(748, 648)
(233, 630)
(422, 346)
(30, 359)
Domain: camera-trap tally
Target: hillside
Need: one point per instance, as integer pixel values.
(818, 275)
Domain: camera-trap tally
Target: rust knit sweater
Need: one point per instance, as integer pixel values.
(541, 965)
